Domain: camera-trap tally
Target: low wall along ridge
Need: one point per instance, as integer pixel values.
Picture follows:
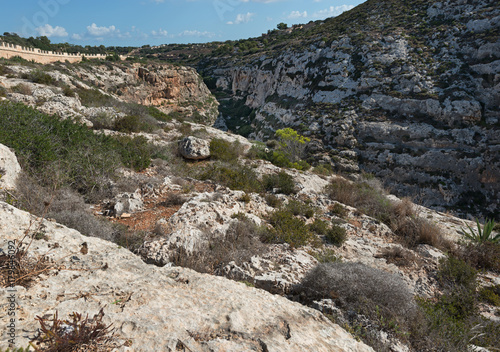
(8, 51)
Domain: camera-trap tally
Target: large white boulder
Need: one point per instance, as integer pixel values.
(9, 169)
(194, 148)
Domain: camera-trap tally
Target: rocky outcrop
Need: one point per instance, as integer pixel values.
(420, 113)
(178, 91)
(194, 148)
(9, 169)
(152, 308)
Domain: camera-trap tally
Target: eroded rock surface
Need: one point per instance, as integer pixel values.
(158, 309)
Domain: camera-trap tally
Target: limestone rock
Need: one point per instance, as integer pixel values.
(194, 148)
(9, 169)
(159, 309)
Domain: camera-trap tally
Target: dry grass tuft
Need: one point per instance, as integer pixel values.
(76, 334)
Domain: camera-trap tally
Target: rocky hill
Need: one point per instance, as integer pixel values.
(406, 90)
(137, 212)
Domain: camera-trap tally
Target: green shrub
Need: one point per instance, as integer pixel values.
(336, 235)
(320, 227)
(281, 182)
(223, 150)
(233, 176)
(326, 256)
(339, 210)
(38, 76)
(67, 91)
(135, 152)
(491, 295)
(127, 124)
(94, 98)
(288, 229)
(297, 207)
(158, 115)
(55, 151)
(484, 235)
(272, 201)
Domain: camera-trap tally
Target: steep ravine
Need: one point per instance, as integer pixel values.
(415, 103)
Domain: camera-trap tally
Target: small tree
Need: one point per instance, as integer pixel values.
(292, 143)
(282, 25)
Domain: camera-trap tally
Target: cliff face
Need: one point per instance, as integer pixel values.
(408, 91)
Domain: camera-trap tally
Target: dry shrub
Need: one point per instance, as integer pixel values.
(414, 231)
(359, 287)
(85, 223)
(76, 334)
(240, 243)
(21, 268)
(22, 88)
(174, 199)
(398, 256)
(484, 255)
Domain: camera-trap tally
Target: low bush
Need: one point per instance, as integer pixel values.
(481, 255)
(320, 227)
(38, 76)
(95, 98)
(60, 152)
(414, 231)
(336, 235)
(74, 334)
(272, 200)
(359, 287)
(127, 124)
(173, 199)
(363, 196)
(287, 229)
(490, 295)
(296, 207)
(22, 88)
(233, 176)
(223, 150)
(239, 244)
(280, 182)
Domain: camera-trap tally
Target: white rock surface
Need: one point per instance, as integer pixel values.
(194, 148)
(158, 309)
(9, 168)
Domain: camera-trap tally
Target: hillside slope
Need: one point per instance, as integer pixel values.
(407, 90)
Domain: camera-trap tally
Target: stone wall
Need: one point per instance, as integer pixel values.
(8, 51)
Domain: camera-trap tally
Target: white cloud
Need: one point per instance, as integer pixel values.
(159, 33)
(49, 31)
(297, 14)
(331, 11)
(195, 33)
(242, 18)
(96, 31)
(76, 37)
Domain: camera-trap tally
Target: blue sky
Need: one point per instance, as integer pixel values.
(139, 22)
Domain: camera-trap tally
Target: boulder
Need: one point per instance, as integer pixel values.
(194, 148)
(153, 308)
(9, 168)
